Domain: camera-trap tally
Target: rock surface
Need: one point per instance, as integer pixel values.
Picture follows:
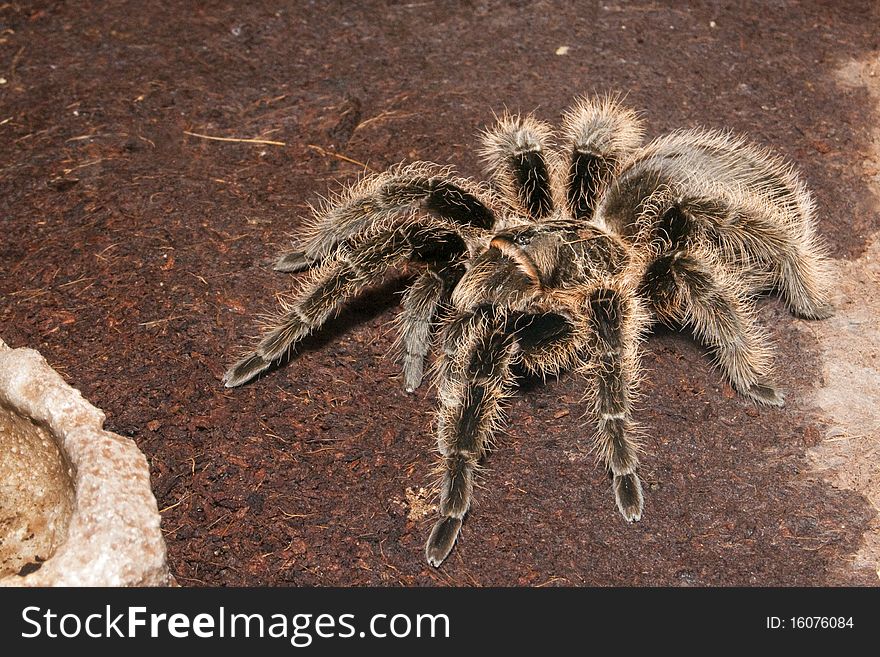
(78, 508)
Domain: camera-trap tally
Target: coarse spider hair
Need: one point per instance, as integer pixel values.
(562, 263)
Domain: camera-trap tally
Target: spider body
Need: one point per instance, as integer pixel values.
(563, 264)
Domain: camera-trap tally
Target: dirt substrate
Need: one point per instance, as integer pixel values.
(136, 256)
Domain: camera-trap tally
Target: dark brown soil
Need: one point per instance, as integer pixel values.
(134, 256)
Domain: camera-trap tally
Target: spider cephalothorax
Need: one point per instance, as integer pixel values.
(562, 264)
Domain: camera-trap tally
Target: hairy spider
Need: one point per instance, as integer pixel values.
(562, 264)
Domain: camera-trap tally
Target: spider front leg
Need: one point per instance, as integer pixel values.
(688, 288)
(351, 269)
(616, 322)
(474, 379)
(421, 303)
(379, 199)
(603, 345)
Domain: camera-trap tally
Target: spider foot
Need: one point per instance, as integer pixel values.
(245, 370)
(441, 540)
(820, 310)
(412, 376)
(628, 493)
(764, 393)
(292, 262)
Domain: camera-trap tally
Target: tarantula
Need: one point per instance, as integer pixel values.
(562, 264)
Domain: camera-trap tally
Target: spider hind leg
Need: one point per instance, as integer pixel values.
(598, 135)
(687, 288)
(804, 275)
(517, 156)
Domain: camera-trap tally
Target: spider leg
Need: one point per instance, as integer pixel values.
(688, 287)
(351, 269)
(604, 346)
(421, 303)
(745, 199)
(751, 233)
(803, 275)
(779, 195)
(517, 157)
(598, 135)
(615, 327)
(474, 380)
(379, 199)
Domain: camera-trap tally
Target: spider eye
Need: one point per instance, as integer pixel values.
(524, 238)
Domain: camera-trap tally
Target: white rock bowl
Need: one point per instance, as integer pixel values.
(76, 508)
